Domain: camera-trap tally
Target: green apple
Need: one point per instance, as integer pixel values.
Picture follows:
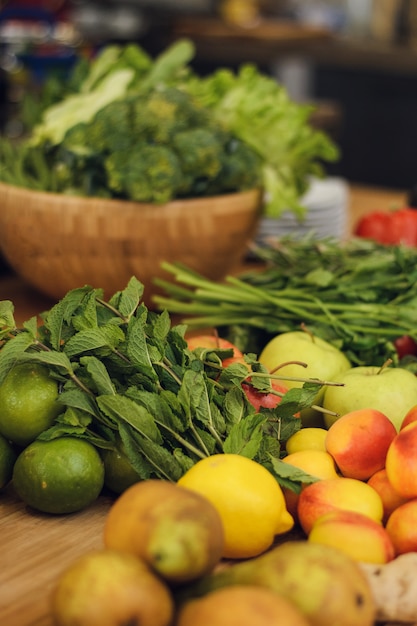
(323, 360)
(391, 390)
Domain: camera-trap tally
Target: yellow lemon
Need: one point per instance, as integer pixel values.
(248, 498)
(315, 462)
(309, 438)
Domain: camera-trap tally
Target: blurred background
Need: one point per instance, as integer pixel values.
(355, 59)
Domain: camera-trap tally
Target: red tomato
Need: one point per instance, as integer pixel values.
(391, 228)
(374, 226)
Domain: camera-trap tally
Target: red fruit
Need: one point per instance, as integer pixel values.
(214, 342)
(410, 416)
(405, 346)
(266, 400)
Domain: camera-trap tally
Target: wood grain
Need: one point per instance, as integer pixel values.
(34, 549)
(63, 242)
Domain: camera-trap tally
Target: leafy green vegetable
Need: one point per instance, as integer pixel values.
(359, 295)
(260, 112)
(126, 374)
(229, 131)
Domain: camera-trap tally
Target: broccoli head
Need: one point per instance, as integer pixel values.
(161, 113)
(241, 168)
(148, 173)
(111, 128)
(199, 151)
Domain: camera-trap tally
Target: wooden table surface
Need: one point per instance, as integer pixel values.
(35, 548)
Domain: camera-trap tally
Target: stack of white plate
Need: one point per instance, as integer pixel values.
(326, 203)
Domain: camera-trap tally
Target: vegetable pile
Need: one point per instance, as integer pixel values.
(151, 130)
(126, 375)
(361, 296)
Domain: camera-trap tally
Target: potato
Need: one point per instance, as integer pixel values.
(394, 586)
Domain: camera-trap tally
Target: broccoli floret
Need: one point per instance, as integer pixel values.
(77, 169)
(147, 173)
(158, 115)
(199, 151)
(111, 128)
(76, 139)
(241, 168)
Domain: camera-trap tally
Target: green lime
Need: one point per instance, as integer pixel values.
(119, 474)
(62, 475)
(28, 403)
(8, 457)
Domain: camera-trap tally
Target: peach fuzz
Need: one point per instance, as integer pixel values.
(359, 440)
(401, 462)
(402, 527)
(359, 536)
(390, 498)
(347, 494)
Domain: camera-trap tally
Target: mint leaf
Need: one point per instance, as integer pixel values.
(105, 337)
(246, 436)
(137, 345)
(118, 407)
(58, 318)
(87, 316)
(290, 476)
(160, 462)
(57, 360)
(235, 406)
(103, 384)
(127, 301)
(12, 351)
(7, 321)
(31, 326)
(78, 399)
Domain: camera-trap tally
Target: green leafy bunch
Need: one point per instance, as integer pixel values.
(126, 373)
(225, 132)
(128, 131)
(359, 295)
(259, 110)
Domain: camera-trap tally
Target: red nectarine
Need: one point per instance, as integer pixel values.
(359, 440)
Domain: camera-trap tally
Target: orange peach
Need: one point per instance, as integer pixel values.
(359, 536)
(401, 461)
(402, 527)
(410, 416)
(318, 463)
(359, 440)
(347, 494)
(390, 498)
(213, 342)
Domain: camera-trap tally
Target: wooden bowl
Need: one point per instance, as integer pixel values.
(57, 242)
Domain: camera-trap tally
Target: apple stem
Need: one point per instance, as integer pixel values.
(387, 363)
(278, 367)
(308, 331)
(321, 409)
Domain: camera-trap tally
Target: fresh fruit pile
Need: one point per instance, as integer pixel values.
(216, 455)
(160, 565)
